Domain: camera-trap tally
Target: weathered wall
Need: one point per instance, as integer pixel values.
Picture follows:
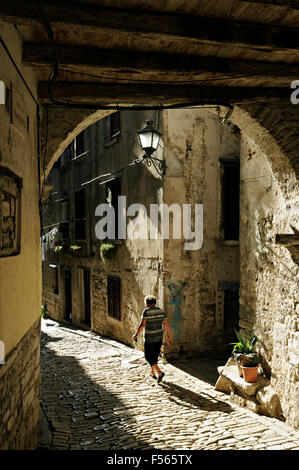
(20, 394)
(269, 283)
(20, 275)
(136, 262)
(194, 141)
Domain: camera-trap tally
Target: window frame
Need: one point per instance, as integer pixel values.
(112, 133)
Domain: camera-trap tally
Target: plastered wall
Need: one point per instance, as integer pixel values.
(20, 274)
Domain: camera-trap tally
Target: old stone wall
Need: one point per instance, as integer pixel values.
(269, 283)
(195, 140)
(20, 393)
(51, 299)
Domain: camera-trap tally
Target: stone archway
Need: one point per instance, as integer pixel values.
(59, 127)
(273, 130)
(273, 127)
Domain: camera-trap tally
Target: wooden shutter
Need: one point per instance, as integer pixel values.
(114, 296)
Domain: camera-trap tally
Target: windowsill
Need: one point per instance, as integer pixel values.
(227, 242)
(230, 242)
(113, 241)
(112, 140)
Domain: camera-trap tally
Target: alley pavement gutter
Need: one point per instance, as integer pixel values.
(97, 394)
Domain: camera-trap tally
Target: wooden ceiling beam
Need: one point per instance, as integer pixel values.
(134, 62)
(103, 94)
(292, 4)
(164, 26)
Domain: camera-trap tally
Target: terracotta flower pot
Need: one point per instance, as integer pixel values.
(249, 373)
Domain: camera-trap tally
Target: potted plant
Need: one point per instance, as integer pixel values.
(76, 249)
(246, 357)
(58, 249)
(250, 369)
(106, 251)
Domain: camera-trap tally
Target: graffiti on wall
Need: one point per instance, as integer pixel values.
(176, 290)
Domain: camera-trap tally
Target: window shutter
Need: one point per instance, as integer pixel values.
(114, 297)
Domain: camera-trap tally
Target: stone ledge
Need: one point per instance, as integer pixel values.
(231, 374)
(257, 396)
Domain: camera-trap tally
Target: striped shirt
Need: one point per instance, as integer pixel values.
(154, 317)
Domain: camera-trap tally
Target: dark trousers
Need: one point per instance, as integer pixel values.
(151, 352)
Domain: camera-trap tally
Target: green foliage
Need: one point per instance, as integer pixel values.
(75, 247)
(106, 251)
(44, 311)
(58, 249)
(244, 350)
(245, 346)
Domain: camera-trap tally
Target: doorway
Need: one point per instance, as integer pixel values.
(87, 306)
(68, 294)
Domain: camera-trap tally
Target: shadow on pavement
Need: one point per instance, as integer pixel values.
(80, 412)
(204, 369)
(200, 400)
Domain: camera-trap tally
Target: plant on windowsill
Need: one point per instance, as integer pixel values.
(107, 251)
(246, 357)
(76, 249)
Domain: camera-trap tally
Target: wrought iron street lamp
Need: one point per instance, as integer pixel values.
(149, 139)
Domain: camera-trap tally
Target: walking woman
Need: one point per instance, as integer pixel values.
(152, 321)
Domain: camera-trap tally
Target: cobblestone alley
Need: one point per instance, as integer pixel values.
(97, 394)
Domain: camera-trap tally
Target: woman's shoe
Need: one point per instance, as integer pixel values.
(153, 377)
(160, 377)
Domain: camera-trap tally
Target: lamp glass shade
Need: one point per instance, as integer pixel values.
(149, 138)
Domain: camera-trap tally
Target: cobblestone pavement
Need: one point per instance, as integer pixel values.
(97, 394)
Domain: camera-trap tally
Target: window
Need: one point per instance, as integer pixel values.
(79, 145)
(231, 309)
(80, 216)
(227, 307)
(55, 279)
(64, 224)
(67, 155)
(230, 193)
(113, 189)
(114, 296)
(112, 126)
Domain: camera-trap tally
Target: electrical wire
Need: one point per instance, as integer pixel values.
(18, 70)
(64, 222)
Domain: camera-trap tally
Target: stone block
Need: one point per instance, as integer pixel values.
(269, 401)
(223, 383)
(250, 389)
